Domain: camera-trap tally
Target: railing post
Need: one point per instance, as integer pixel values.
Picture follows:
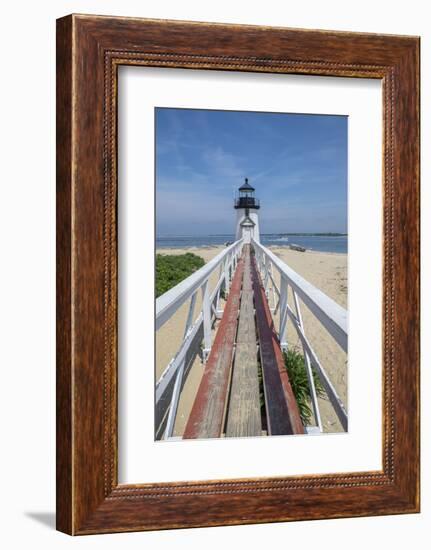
(170, 424)
(266, 275)
(271, 273)
(218, 291)
(257, 257)
(206, 313)
(226, 275)
(282, 334)
(308, 368)
(190, 314)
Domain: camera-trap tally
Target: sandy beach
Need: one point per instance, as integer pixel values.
(327, 271)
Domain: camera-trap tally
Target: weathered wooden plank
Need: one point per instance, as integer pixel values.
(281, 407)
(243, 417)
(207, 414)
(246, 281)
(246, 323)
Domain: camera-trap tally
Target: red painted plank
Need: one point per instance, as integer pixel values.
(281, 407)
(207, 414)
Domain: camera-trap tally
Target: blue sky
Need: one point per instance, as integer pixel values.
(297, 164)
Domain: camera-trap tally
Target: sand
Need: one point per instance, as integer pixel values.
(327, 271)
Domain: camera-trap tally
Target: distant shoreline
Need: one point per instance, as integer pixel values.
(320, 243)
(185, 249)
(262, 235)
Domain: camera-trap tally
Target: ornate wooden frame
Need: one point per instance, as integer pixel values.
(89, 51)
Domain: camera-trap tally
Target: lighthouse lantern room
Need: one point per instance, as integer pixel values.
(247, 219)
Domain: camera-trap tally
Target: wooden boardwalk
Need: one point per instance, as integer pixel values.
(243, 414)
(228, 399)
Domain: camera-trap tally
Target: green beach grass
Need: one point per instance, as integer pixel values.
(172, 269)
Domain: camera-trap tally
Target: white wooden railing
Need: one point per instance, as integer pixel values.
(172, 300)
(332, 316)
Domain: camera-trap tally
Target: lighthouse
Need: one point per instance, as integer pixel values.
(247, 219)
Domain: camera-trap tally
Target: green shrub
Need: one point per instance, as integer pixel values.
(171, 270)
(295, 365)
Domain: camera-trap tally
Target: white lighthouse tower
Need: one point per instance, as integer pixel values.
(247, 219)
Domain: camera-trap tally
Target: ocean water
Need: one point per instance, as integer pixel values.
(319, 243)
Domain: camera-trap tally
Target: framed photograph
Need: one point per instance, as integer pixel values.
(237, 274)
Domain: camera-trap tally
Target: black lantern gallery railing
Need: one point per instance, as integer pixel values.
(247, 202)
